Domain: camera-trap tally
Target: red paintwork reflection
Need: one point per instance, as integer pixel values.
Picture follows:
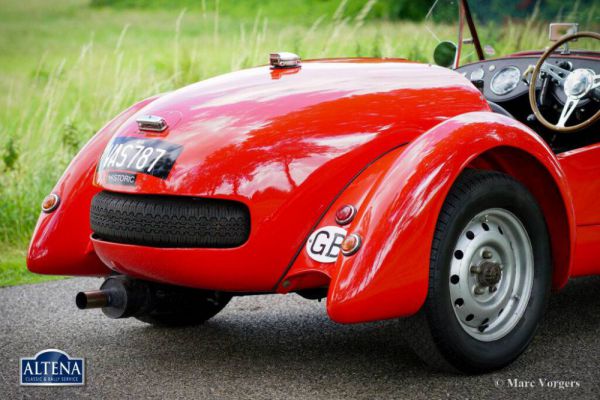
(582, 167)
(285, 145)
(354, 194)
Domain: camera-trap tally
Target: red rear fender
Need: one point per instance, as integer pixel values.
(388, 276)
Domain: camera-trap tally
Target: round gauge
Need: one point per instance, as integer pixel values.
(477, 74)
(505, 80)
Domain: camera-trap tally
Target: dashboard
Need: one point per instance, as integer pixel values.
(501, 80)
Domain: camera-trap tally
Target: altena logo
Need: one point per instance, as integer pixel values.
(52, 367)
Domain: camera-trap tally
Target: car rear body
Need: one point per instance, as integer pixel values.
(285, 143)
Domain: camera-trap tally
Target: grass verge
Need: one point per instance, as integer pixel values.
(13, 270)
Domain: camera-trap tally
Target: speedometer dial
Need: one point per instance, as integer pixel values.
(505, 80)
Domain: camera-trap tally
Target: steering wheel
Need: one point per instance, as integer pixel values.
(576, 84)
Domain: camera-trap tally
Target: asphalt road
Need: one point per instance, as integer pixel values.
(277, 346)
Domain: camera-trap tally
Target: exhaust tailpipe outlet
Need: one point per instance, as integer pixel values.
(91, 299)
(119, 297)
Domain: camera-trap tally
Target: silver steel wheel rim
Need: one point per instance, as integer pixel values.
(491, 274)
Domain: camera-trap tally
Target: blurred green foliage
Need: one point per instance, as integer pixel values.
(415, 10)
(10, 154)
(295, 9)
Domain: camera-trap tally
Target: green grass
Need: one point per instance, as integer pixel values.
(297, 11)
(13, 270)
(67, 68)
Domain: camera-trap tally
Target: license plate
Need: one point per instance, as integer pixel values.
(145, 156)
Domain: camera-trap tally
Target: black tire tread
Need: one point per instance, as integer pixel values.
(418, 333)
(169, 221)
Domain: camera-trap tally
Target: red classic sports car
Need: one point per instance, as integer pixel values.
(454, 196)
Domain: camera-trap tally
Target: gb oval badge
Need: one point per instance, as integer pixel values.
(323, 245)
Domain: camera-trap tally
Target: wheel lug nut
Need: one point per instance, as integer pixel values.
(493, 289)
(479, 290)
(475, 269)
(487, 254)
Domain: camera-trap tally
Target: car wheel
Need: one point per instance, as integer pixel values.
(174, 311)
(490, 276)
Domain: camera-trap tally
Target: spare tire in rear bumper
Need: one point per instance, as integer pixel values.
(169, 221)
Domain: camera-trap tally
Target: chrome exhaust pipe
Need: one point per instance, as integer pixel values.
(92, 299)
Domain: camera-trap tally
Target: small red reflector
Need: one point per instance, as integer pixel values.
(50, 203)
(345, 214)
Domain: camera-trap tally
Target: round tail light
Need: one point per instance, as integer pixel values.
(345, 214)
(50, 203)
(351, 244)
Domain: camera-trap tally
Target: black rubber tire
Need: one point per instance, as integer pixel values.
(182, 311)
(169, 221)
(434, 333)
